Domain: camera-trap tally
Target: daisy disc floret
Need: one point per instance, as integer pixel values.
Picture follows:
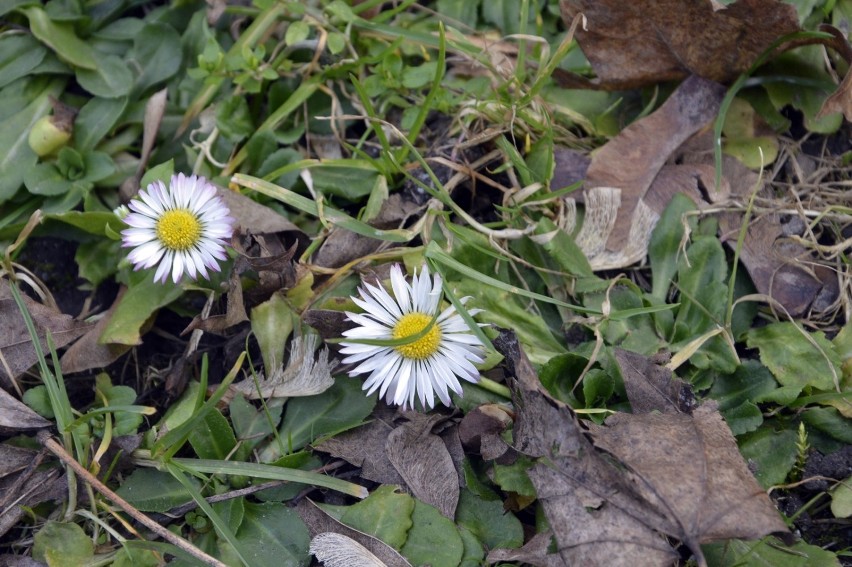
(441, 348)
(183, 227)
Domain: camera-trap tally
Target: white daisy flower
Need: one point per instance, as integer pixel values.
(184, 227)
(432, 363)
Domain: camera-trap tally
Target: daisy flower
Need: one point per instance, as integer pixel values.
(432, 363)
(185, 227)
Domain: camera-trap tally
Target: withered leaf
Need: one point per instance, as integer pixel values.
(422, 459)
(534, 552)
(14, 459)
(16, 346)
(16, 417)
(651, 387)
(632, 44)
(337, 550)
(365, 447)
(235, 311)
(480, 431)
(628, 164)
(319, 522)
(16, 497)
(689, 466)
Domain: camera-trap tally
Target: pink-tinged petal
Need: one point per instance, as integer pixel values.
(188, 264)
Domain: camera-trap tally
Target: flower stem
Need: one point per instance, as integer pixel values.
(494, 387)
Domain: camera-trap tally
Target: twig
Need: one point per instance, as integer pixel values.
(54, 447)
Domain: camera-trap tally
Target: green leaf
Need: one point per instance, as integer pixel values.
(38, 400)
(829, 421)
(385, 514)
(19, 54)
(216, 439)
(96, 260)
(487, 520)
(665, 244)
(350, 179)
(737, 392)
(796, 359)
(514, 478)
(46, 180)
(341, 407)
(110, 79)
(297, 31)
(61, 38)
(272, 322)
(124, 423)
(143, 298)
(773, 453)
(95, 120)
(162, 172)
(768, 552)
(61, 544)
(474, 553)
(433, 539)
(276, 536)
(151, 490)
(419, 76)
(562, 248)
(841, 499)
(153, 53)
(252, 425)
(560, 373)
(234, 118)
(17, 158)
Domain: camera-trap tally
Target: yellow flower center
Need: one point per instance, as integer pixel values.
(178, 229)
(412, 324)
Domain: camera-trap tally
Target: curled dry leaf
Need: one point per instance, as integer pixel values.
(422, 459)
(89, 352)
(16, 347)
(619, 218)
(14, 459)
(336, 550)
(303, 376)
(534, 552)
(632, 44)
(651, 387)
(235, 311)
(19, 493)
(645, 478)
(320, 523)
(365, 447)
(480, 431)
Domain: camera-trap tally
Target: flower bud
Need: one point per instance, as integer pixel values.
(51, 133)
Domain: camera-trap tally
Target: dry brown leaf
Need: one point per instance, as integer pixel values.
(632, 44)
(14, 459)
(672, 474)
(319, 522)
(336, 550)
(16, 347)
(480, 431)
(365, 447)
(18, 495)
(690, 467)
(623, 170)
(16, 417)
(422, 459)
(534, 552)
(651, 387)
(89, 352)
(235, 311)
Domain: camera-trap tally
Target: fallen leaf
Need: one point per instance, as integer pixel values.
(633, 44)
(235, 311)
(534, 552)
(336, 550)
(481, 428)
(16, 417)
(14, 459)
(651, 387)
(365, 447)
(303, 376)
(18, 496)
(16, 348)
(422, 459)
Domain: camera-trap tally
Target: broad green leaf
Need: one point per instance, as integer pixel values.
(274, 536)
(95, 120)
(830, 422)
(61, 544)
(143, 298)
(795, 359)
(562, 248)
(487, 520)
(433, 539)
(736, 393)
(665, 245)
(153, 53)
(767, 552)
(19, 54)
(419, 76)
(460, 10)
(297, 31)
(216, 439)
(385, 514)
(96, 260)
(134, 557)
(841, 499)
(151, 490)
(233, 118)
(514, 478)
(124, 422)
(46, 180)
(341, 407)
(38, 400)
(110, 79)
(560, 373)
(252, 425)
(272, 322)
(17, 158)
(162, 172)
(61, 38)
(350, 179)
(773, 454)
(474, 553)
